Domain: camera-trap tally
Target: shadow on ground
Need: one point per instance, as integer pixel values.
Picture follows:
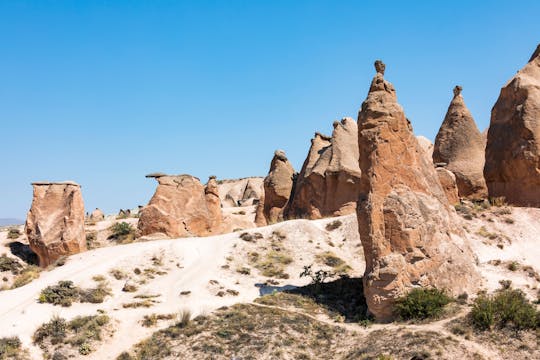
(23, 252)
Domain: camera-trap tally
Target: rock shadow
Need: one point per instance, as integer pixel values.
(23, 252)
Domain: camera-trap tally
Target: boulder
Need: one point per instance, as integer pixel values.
(449, 186)
(97, 215)
(278, 186)
(180, 208)
(410, 234)
(328, 182)
(55, 222)
(461, 146)
(512, 168)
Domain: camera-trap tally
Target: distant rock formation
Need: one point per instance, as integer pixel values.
(180, 208)
(213, 202)
(448, 184)
(97, 215)
(461, 146)
(410, 235)
(241, 192)
(512, 165)
(278, 186)
(55, 222)
(329, 180)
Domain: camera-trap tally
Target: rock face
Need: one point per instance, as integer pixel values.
(55, 222)
(181, 207)
(426, 145)
(448, 183)
(97, 215)
(241, 192)
(410, 235)
(329, 180)
(512, 165)
(278, 186)
(213, 202)
(461, 146)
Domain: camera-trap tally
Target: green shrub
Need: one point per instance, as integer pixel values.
(333, 225)
(9, 264)
(94, 295)
(122, 232)
(55, 329)
(28, 274)
(506, 308)
(9, 347)
(64, 294)
(13, 233)
(421, 304)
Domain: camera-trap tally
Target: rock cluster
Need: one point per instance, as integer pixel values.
(512, 168)
(460, 145)
(329, 180)
(410, 235)
(241, 192)
(278, 186)
(181, 207)
(55, 222)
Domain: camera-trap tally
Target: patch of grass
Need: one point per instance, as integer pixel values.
(330, 259)
(499, 201)
(9, 264)
(65, 293)
(91, 239)
(10, 348)
(54, 330)
(13, 233)
(336, 224)
(484, 233)
(122, 232)
(152, 319)
(243, 270)
(507, 308)
(251, 237)
(273, 264)
(117, 274)
(29, 273)
(420, 304)
(513, 266)
(140, 304)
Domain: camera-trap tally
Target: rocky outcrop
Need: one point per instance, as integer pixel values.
(213, 202)
(426, 145)
(241, 192)
(410, 235)
(278, 186)
(328, 182)
(180, 208)
(460, 145)
(260, 218)
(512, 168)
(55, 222)
(97, 215)
(448, 184)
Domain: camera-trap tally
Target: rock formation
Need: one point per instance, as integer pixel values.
(179, 208)
(241, 192)
(278, 186)
(213, 202)
(410, 234)
(328, 182)
(460, 145)
(512, 167)
(426, 145)
(55, 222)
(448, 184)
(260, 218)
(97, 215)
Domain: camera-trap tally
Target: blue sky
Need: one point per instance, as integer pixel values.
(104, 92)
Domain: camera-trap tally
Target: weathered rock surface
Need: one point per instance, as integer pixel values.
(278, 187)
(329, 180)
(97, 215)
(461, 146)
(241, 192)
(55, 222)
(410, 234)
(426, 145)
(180, 208)
(512, 166)
(448, 184)
(213, 202)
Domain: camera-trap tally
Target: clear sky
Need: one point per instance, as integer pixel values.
(104, 92)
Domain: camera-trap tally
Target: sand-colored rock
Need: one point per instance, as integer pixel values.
(240, 192)
(213, 202)
(461, 146)
(260, 218)
(97, 215)
(426, 145)
(410, 234)
(179, 208)
(55, 223)
(448, 184)
(512, 168)
(329, 180)
(278, 186)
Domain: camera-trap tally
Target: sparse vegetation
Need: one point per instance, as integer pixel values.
(331, 226)
(118, 274)
(152, 319)
(91, 239)
(9, 264)
(421, 303)
(10, 348)
(273, 264)
(506, 308)
(122, 232)
(330, 259)
(251, 237)
(13, 234)
(65, 293)
(498, 201)
(513, 266)
(28, 274)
